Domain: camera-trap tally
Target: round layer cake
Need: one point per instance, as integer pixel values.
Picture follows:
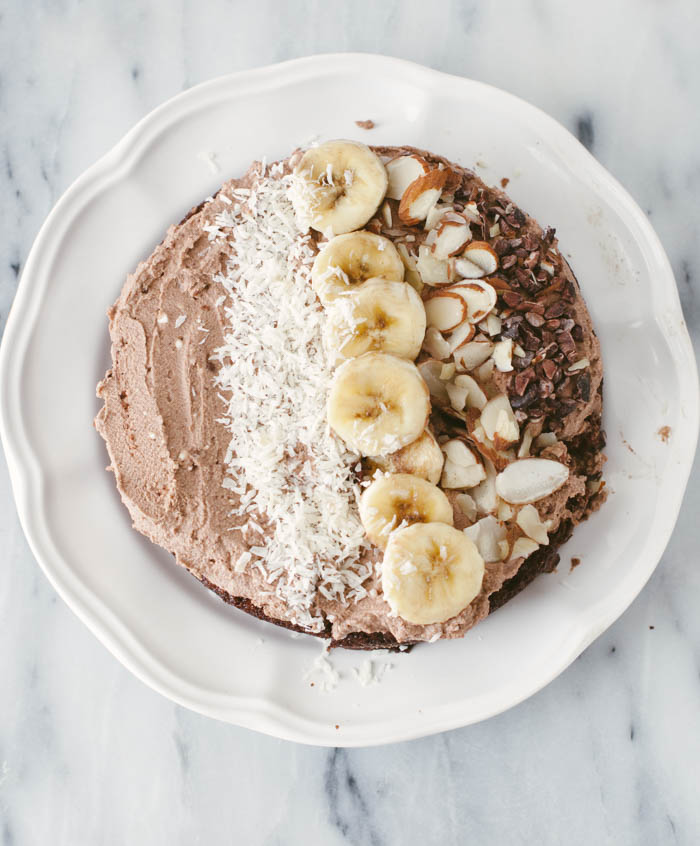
(357, 393)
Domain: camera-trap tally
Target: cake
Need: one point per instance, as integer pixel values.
(357, 393)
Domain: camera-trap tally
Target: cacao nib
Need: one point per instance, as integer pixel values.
(534, 319)
(549, 368)
(583, 386)
(512, 298)
(522, 361)
(529, 339)
(555, 310)
(545, 388)
(522, 380)
(525, 400)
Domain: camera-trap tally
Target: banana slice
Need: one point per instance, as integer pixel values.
(430, 572)
(401, 500)
(377, 315)
(349, 260)
(378, 403)
(338, 187)
(422, 458)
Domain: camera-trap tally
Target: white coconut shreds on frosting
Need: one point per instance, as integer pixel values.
(283, 461)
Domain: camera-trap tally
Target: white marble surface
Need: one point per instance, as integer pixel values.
(608, 753)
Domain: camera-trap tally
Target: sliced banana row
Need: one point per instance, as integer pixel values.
(379, 403)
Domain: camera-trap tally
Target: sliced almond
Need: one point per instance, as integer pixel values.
(445, 311)
(522, 548)
(530, 479)
(386, 214)
(462, 334)
(475, 397)
(479, 296)
(430, 371)
(501, 458)
(402, 171)
(529, 521)
(479, 259)
(434, 272)
(499, 423)
(412, 276)
(505, 512)
(546, 439)
(436, 214)
(471, 212)
(472, 354)
(455, 477)
(420, 196)
(448, 371)
(484, 372)
(452, 233)
(491, 325)
(435, 345)
(487, 533)
(504, 549)
(461, 468)
(525, 444)
(581, 364)
(458, 452)
(503, 355)
(485, 492)
(466, 505)
(458, 395)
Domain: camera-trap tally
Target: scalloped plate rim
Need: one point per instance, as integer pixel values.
(28, 483)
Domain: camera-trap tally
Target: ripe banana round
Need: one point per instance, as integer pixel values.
(430, 572)
(378, 403)
(338, 187)
(377, 315)
(349, 260)
(401, 500)
(422, 458)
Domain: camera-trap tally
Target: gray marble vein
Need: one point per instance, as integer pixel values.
(606, 754)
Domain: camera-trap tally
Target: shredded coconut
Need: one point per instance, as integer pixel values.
(371, 672)
(275, 375)
(329, 676)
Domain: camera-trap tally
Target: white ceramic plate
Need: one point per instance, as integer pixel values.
(171, 632)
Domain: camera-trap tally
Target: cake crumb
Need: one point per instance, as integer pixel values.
(664, 433)
(365, 124)
(504, 182)
(575, 562)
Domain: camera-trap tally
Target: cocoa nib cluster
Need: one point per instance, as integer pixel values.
(536, 305)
